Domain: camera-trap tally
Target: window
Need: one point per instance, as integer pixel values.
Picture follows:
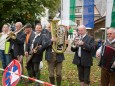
(78, 22)
(78, 10)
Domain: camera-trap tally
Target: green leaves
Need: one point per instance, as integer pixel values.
(25, 10)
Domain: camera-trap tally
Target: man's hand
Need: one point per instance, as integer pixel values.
(66, 41)
(98, 55)
(76, 42)
(113, 65)
(80, 43)
(54, 39)
(34, 50)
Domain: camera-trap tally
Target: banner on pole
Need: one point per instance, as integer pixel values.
(88, 13)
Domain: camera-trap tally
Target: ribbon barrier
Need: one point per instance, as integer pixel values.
(11, 75)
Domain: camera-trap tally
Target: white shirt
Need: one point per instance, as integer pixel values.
(2, 41)
(32, 46)
(79, 49)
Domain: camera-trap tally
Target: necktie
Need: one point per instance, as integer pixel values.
(27, 37)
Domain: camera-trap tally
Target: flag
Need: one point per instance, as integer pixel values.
(88, 13)
(68, 10)
(110, 13)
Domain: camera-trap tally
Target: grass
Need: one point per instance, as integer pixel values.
(69, 73)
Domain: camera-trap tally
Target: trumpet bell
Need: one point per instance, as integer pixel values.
(11, 35)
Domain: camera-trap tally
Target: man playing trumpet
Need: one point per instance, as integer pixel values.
(83, 48)
(40, 40)
(17, 43)
(17, 39)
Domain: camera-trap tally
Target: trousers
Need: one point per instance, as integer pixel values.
(84, 74)
(53, 65)
(107, 78)
(5, 59)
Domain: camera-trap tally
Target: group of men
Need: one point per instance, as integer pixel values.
(38, 40)
(43, 39)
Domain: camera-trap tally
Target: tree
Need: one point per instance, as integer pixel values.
(25, 10)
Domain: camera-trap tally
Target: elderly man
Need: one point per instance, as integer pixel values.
(83, 55)
(107, 77)
(17, 44)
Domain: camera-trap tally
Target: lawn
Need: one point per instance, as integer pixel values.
(70, 77)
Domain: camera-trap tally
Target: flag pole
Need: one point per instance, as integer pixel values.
(106, 25)
(61, 11)
(82, 10)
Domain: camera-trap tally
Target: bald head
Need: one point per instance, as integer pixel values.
(82, 30)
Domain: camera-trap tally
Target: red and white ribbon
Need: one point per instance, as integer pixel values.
(29, 78)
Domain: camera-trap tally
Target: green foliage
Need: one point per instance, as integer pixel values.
(25, 10)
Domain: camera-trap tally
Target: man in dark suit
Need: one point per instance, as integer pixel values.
(30, 34)
(83, 55)
(40, 41)
(17, 44)
(54, 60)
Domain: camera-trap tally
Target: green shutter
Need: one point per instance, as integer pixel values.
(72, 10)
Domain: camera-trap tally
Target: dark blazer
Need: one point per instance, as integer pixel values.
(18, 44)
(27, 46)
(86, 52)
(43, 41)
(48, 54)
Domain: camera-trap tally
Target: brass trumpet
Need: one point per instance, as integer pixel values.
(32, 53)
(60, 33)
(76, 39)
(11, 35)
(14, 34)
